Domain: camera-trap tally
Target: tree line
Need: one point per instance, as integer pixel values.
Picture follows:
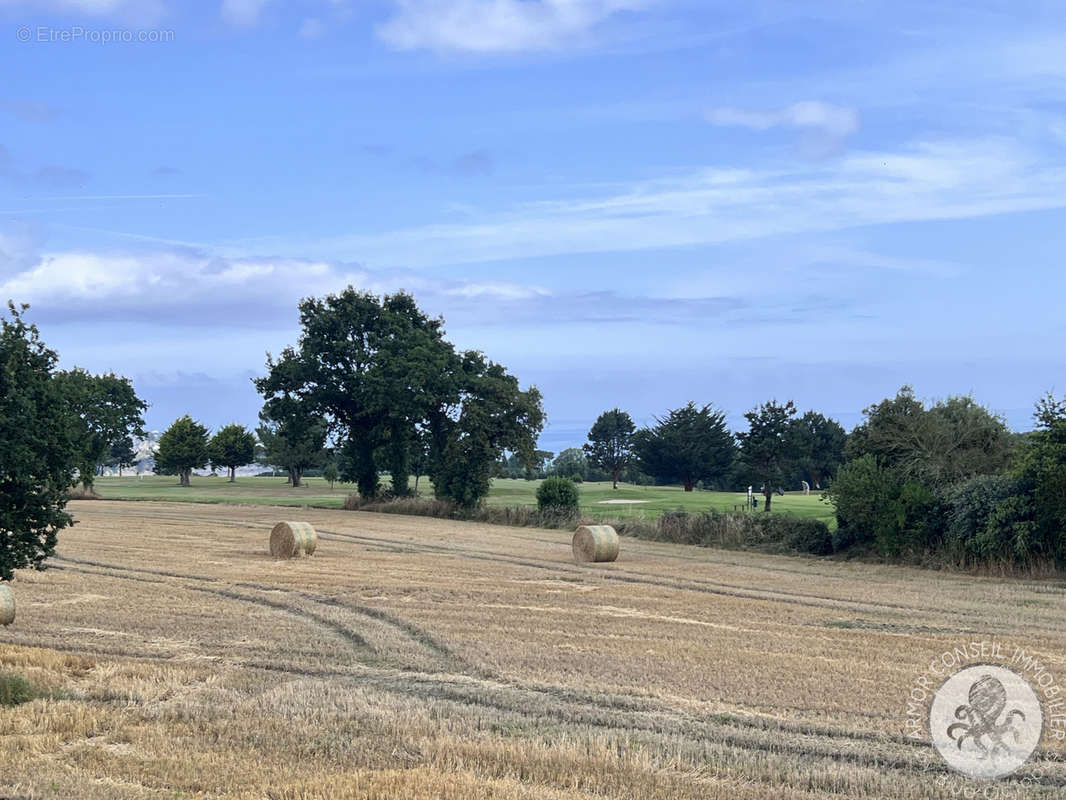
(946, 482)
(373, 387)
(692, 446)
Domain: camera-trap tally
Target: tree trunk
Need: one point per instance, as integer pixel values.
(614, 477)
(232, 474)
(184, 476)
(689, 486)
(769, 497)
(297, 475)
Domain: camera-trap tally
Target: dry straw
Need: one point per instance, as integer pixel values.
(7, 605)
(290, 539)
(595, 543)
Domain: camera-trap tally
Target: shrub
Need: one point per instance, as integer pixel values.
(798, 534)
(970, 505)
(1010, 534)
(865, 496)
(14, 689)
(558, 495)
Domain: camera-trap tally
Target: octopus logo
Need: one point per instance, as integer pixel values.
(986, 721)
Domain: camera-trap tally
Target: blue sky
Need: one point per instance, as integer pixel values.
(627, 202)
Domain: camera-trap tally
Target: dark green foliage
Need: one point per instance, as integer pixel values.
(970, 505)
(921, 519)
(931, 483)
(292, 436)
(107, 412)
(1042, 470)
(38, 448)
(571, 463)
(182, 448)
(951, 441)
(558, 494)
(330, 473)
(233, 446)
(122, 454)
(864, 495)
(395, 393)
(691, 444)
(772, 532)
(376, 369)
(611, 443)
(818, 444)
(494, 416)
(768, 451)
(15, 690)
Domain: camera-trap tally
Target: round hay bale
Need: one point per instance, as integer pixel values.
(291, 539)
(7, 605)
(595, 543)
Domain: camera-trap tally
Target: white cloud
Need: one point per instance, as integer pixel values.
(177, 287)
(243, 13)
(497, 26)
(836, 121)
(496, 290)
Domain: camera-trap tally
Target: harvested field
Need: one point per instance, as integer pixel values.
(421, 658)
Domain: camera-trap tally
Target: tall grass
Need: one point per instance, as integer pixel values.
(769, 532)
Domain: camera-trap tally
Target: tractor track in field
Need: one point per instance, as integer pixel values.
(622, 574)
(616, 573)
(465, 688)
(366, 654)
(723, 732)
(408, 628)
(354, 639)
(630, 713)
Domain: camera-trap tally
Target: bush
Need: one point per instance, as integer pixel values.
(970, 505)
(558, 495)
(14, 689)
(864, 495)
(798, 534)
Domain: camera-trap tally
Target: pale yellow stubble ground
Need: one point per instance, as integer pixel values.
(420, 658)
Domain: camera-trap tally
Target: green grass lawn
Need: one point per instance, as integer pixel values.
(505, 492)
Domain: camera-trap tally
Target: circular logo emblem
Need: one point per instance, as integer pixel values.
(986, 721)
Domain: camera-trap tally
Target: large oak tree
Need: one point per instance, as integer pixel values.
(381, 374)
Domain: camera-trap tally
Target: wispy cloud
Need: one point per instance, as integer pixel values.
(935, 180)
(497, 26)
(836, 121)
